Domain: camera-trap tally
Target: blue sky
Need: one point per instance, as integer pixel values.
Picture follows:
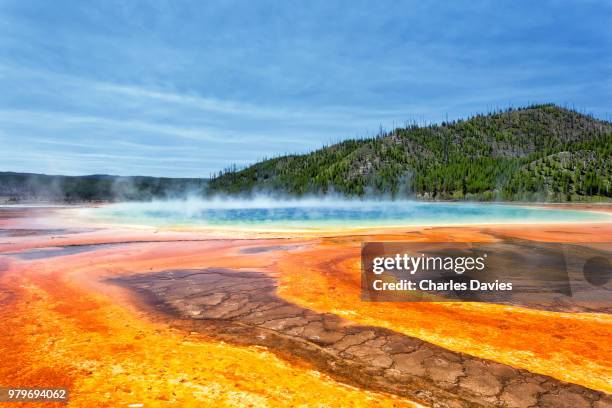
(182, 88)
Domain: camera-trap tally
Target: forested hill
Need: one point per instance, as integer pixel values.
(29, 187)
(542, 152)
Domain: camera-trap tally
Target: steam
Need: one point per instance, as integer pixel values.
(193, 206)
(193, 203)
(41, 188)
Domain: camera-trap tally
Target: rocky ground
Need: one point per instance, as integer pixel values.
(243, 308)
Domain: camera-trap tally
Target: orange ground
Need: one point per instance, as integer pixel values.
(573, 347)
(59, 332)
(63, 326)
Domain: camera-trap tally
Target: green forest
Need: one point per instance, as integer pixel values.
(536, 153)
(27, 187)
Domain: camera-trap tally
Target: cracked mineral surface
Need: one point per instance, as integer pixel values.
(242, 307)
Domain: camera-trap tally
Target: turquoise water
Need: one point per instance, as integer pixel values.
(314, 213)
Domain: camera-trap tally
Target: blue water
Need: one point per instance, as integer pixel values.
(261, 213)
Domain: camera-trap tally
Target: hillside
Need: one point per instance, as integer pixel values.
(28, 187)
(542, 152)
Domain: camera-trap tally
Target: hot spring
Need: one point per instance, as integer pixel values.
(319, 213)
